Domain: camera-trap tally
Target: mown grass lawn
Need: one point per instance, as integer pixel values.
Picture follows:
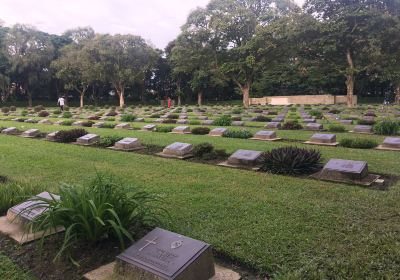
(287, 227)
(9, 271)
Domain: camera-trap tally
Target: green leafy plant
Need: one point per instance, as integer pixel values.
(43, 114)
(358, 143)
(67, 115)
(13, 108)
(261, 118)
(12, 193)
(292, 125)
(57, 112)
(5, 109)
(164, 129)
(242, 134)
(68, 136)
(38, 108)
(87, 123)
(200, 130)
(24, 112)
(316, 113)
(104, 209)
(128, 118)
(366, 122)
(336, 128)
(223, 121)
(206, 151)
(109, 125)
(112, 113)
(67, 123)
(194, 122)
(108, 141)
(172, 116)
(291, 161)
(387, 127)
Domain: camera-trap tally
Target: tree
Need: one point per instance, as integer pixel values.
(29, 53)
(120, 60)
(348, 34)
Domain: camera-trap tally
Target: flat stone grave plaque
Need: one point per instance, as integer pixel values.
(346, 121)
(45, 121)
(51, 136)
(162, 254)
(314, 126)
(149, 127)
(245, 158)
(98, 124)
(30, 121)
(128, 144)
(88, 139)
(178, 149)
(238, 123)
(30, 209)
(207, 122)
(10, 130)
(181, 130)
(182, 121)
(265, 135)
(78, 123)
(60, 122)
(202, 118)
(31, 133)
(219, 131)
(123, 126)
(139, 120)
(391, 143)
(183, 117)
(278, 120)
(321, 138)
(309, 121)
(362, 129)
(273, 125)
(368, 118)
(345, 169)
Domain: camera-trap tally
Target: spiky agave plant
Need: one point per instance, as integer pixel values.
(291, 161)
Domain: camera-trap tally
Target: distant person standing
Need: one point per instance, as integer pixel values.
(169, 102)
(61, 103)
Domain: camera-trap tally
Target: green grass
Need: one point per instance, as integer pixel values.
(287, 227)
(10, 271)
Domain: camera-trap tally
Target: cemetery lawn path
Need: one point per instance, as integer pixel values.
(286, 227)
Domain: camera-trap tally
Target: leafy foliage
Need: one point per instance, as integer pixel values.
(292, 125)
(200, 130)
(387, 127)
(358, 143)
(164, 129)
(128, 118)
(336, 128)
(291, 161)
(242, 134)
(223, 121)
(108, 141)
(206, 151)
(68, 136)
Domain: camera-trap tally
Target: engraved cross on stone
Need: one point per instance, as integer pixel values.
(149, 242)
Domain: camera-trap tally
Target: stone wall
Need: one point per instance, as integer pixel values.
(326, 99)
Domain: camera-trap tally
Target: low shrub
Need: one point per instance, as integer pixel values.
(237, 111)
(5, 109)
(169, 121)
(13, 193)
(358, 143)
(67, 123)
(387, 127)
(94, 118)
(293, 109)
(104, 209)
(242, 134)
(109, 125)
(111, 113)
(194, 122)
(370, 114)
(67, 115)
(13, 108)
(128, 118)
(164, 129)
(57, 112)
(108, 141)
(334, 111)
(155, 116)
(336, 128)
(200, 130)
(172, 116)
(206, 151)
(291, 161)
(66, 108)
(38, 108)
(87, 124)
(43, 114)
(366, 122)
(316, 113)
(24, 112)
(223, 121)
(68, 136)
(292, 125)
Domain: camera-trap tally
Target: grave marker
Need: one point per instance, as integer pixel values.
(88, 139)
(177, 150)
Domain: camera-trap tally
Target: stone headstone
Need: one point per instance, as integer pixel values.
(346, 169)
(362, 129)
(149, 127)
(183, 117)
(98, 125)
(273, 125)
(219, 131)
(309, 121)
(182, 121)
(346, 121)
(178, 149)
(45, 121)
(238, 123)
(31, 133)
(30, 121)
(10, 131)
(265, 135)
(123, 126)
(162, 254)
(78, 123)
(30, 209)
(391, 143)
(323, 138)
(314, 126)
(207, 122)
(88, 139)
(181, 130)
(245, 158)
(128, 144)
(202, 118)
(51, 136)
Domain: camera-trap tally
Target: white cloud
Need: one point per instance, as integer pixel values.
(156, 20)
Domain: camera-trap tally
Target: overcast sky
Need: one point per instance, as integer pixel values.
(158, 21)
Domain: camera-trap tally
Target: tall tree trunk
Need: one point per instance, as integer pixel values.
(350, 80)
(29, 95)
(246, 95)
(200, 98)
(82, 93)
(397, 95)
(179, 101)
(121, 98)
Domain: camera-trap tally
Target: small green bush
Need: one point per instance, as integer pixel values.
(242, 134)
(87, 124)
(291, 161)
(67, 123)
(5, 109)
(336, 128)
(206, 151)
(111, 113)
(223, 121)
(57, 112)
(43, 114)
(164, 129)
(293, 109)
(334, 111)
(66, 108)
(38, 108)
(387, 127)
(13, 108)
(108, 141)
(366, 122)
(68, 136)
(172, 116)
(13, 193)
(24, 113)
(358, 143)
(109, 125)
(292, 125)
(237, 111)
(128, 118)
(194, 122)
(200, 130)
(316, 113)
(67, 115)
